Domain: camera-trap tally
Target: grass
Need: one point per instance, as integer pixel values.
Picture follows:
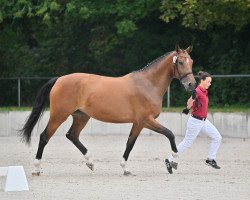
(12, 108)
(6, 109)
(232, 108)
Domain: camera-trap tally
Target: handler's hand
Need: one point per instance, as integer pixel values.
(190, 103)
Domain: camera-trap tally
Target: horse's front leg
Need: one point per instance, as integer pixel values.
(135, 131)
(153, 125)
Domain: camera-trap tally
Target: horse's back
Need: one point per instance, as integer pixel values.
(88, 83)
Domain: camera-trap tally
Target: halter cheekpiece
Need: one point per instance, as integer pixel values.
(175, 58)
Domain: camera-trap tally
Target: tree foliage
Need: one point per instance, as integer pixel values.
(206, 14)
(57, 37)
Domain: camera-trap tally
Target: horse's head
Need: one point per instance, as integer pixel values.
(183, 68)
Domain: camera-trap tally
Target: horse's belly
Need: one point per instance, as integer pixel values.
(111, 114)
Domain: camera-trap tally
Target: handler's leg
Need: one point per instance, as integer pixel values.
(194, 127)
(210, 130)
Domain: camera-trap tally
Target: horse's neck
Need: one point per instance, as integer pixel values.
(160, 75)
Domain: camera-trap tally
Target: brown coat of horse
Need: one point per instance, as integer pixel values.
(134, 98)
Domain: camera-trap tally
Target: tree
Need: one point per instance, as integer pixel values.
(57, 37)
(206, 13)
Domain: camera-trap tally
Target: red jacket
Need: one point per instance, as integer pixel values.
(200, 105)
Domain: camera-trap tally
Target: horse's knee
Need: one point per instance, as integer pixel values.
(75, 140)
(169, 134)
(72, 138)
(68, 136)
(172, 136)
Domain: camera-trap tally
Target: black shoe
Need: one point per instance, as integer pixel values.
(170, 165)
(212, 163)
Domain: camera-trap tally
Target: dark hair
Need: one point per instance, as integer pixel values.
(203, 75)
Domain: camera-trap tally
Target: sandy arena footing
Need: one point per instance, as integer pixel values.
(65, 175)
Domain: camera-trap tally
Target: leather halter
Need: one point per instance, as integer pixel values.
(176, 68)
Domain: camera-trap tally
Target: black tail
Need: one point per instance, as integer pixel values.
(38, 109)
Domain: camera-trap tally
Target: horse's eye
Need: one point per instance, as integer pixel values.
(180, 63)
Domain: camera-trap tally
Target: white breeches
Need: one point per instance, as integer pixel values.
(194, 127)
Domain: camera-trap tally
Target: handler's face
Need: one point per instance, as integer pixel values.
(206, 83)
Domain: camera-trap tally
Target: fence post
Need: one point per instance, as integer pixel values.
(19, 91)
(168, 96)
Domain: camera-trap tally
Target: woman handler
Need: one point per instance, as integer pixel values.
(198, 123)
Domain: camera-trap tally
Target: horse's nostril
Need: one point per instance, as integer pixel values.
(191, 85)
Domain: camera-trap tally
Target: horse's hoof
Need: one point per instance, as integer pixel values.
(36, 173)
(174, 165)
(128, 173)
(90, 166)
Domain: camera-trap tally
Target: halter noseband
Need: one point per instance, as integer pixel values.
(175, 58)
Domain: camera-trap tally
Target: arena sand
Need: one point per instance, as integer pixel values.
(65, 175)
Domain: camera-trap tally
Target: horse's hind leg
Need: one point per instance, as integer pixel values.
(135, 131)
(79, 121)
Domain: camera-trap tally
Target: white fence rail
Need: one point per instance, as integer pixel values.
(229, 124)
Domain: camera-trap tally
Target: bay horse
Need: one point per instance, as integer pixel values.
(134, 98)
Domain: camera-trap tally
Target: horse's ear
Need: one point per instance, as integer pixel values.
(189, 49)
(177, 48)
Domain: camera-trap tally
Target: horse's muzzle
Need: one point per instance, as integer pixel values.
(189, 86)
